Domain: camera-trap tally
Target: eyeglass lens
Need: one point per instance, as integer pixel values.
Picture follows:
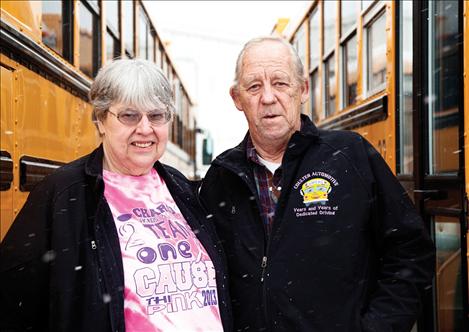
(130, 117)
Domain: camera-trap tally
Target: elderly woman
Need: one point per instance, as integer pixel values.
(114, 241)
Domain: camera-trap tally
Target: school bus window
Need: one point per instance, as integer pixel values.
(128, 25)
(52, 25)
(164, 62)
(406, 162)
(93, 3)
(151, 46)
(444, 89)
(169, 71)
(315, 96)
(376, 53)
(366, 4)
(157, 52)
(350, 56)
(89, 40)
(349, 10)
(112, 16)
(314, 38)
(112, 47)
(300, 44)
(161, 55)
(142, 37)
(330, 87)
(330, 15)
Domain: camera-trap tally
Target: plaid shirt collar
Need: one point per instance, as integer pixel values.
(268, 185)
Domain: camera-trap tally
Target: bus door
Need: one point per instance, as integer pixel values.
(438, 126)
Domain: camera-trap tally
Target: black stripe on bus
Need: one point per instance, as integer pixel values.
(34, 170)
(6, 170)
(25, 51)
(374, 111)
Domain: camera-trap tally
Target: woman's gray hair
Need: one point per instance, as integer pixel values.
(135, 82)
(297, 64)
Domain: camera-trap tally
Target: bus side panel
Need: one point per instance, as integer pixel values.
(23, 15)
(48, 123)
(380, 135)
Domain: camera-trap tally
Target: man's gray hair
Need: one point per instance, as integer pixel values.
(296, 61)
(135, 82)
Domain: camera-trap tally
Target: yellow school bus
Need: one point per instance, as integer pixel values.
(49, 53)
(397, 72)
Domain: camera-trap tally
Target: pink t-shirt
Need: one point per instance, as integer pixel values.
(169, 277)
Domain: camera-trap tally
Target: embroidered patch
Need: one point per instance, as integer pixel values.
(316, 188)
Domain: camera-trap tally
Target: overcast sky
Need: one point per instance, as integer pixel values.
(204, 39)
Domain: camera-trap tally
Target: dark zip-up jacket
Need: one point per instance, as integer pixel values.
(61, 263)
(347, 250)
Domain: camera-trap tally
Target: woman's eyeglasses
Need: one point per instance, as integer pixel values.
(133, 117)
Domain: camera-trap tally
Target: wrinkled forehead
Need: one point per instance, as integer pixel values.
(267, 59)
(266, 70)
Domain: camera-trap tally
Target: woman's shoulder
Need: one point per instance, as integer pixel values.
(64, 177)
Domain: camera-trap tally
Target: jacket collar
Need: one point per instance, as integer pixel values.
(94, 164)
(236, 158)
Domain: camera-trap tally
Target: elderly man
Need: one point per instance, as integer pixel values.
(318, 233)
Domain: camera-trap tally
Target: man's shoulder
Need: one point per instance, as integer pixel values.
(342, 139)
(340, 136)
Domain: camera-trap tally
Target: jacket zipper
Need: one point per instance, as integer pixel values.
(263, 266)
(244, 178)
(266, 251)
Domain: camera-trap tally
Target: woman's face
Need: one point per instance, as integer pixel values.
(131, 149)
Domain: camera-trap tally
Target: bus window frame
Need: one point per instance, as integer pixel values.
(97, 37)
(315, 11)
(344, 62)
(345, 37)
(115, 31)
(130, 53)
(370, 16)
(67, 32)
(326, 85)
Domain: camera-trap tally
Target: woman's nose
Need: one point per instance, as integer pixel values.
(144, 126)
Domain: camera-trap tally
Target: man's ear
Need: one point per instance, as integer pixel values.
(234, 93)
(305, 91)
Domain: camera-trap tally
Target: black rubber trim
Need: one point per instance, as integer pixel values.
(6, 170)
(34, 170)
(374, 111)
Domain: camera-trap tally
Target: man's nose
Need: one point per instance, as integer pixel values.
(268, 96)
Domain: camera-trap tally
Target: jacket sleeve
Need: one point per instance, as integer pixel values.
(405, 252)
(24, 266)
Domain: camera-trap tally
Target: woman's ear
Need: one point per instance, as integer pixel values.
(101, 128)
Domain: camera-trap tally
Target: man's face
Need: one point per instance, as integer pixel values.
(269, 93)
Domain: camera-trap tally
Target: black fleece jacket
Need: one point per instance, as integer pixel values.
(61, 264)
(347, 251)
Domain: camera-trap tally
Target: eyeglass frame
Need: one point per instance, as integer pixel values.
(167, 118)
